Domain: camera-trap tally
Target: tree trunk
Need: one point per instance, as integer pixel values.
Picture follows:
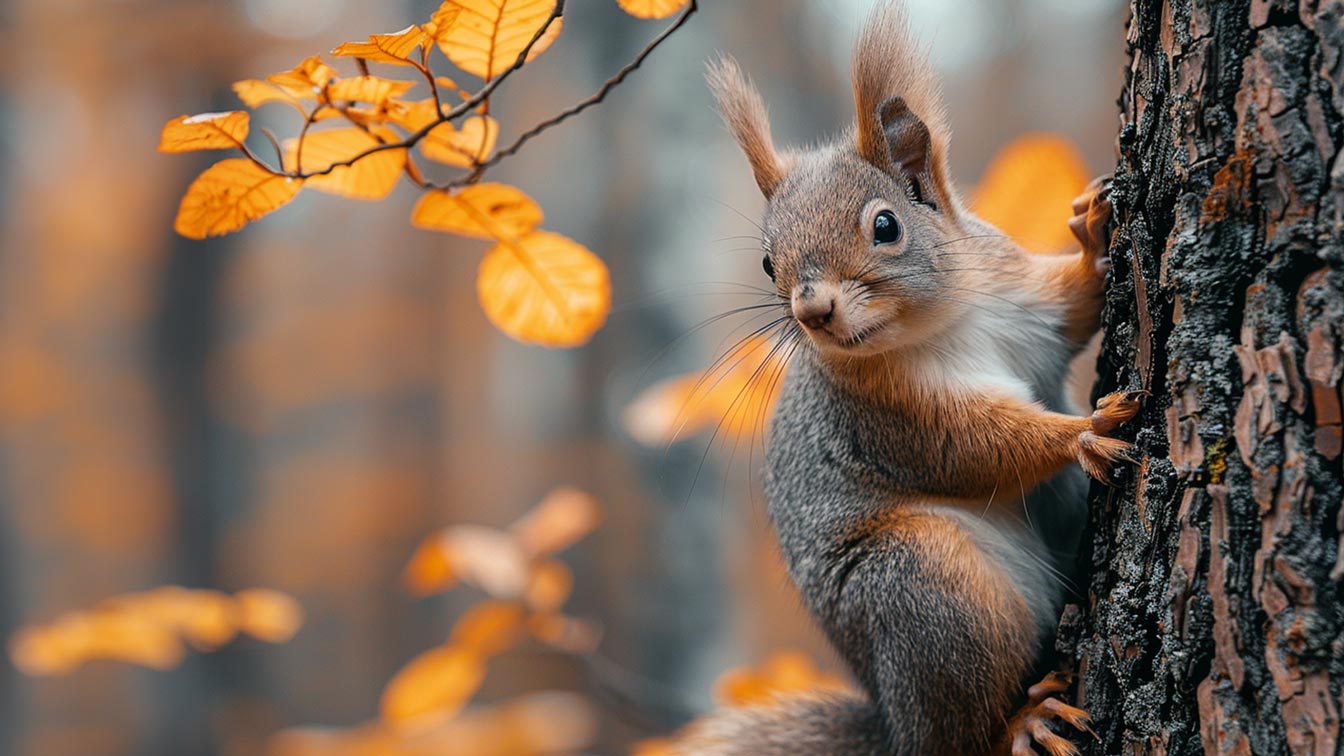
(1213, 622)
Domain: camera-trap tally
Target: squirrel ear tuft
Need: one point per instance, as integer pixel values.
(901, 126)
(744, 112)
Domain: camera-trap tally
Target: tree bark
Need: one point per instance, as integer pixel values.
(1213, 621)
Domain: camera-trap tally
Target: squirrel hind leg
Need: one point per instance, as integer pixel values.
(1030, 726)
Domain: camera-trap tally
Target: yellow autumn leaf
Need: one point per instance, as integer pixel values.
(305, 80)
(563, 517)
(650, 8)
(432, 687)
(485, 211)
(203, 617)
(267, 615)
(487, 36)
(545, 289)
(489, 627)
(372, 89)
(781, 672)
(564, 632)
(484, 557)
(735, 397)
(254, 93)
(395, 48)
(230, 194)
(207, 131)
(370, 178)
(463, 147)
(1028, 189)
(548, 587)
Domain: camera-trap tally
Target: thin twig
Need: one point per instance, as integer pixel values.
(279, 153)
(457, 111)
(594, 99)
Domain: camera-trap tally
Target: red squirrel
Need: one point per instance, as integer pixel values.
(920, 467)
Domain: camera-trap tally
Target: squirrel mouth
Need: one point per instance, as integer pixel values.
(858, 337)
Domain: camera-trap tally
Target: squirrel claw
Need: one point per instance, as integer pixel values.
(1097, 451)
(1091, 220)
(1115, 409)
(1030, 726)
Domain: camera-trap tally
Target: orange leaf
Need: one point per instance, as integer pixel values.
(229, 195)
(462, 147)
(1028, 190)
(484, 557)
(395, 48)
(207, 131)
(432, 687)
(485, 211)
(305, 80)
(563, 517)
(372, 177)
(268, 615)
(254, 93)
(782, 672)
(206, 618)
(489, 627)
(487, 36)
(650, 8)
(374, 89)
(565, 632)
(544, 289)
(735, 397)
(549, 586)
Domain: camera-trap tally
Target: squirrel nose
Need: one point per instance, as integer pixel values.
(813, 305)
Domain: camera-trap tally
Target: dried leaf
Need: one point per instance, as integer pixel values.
(565, 633)
(484, 211)
(487, 36)
(548, 587)
(463, 147)
(306, 80)
(268, 615)
(396, 48)
(490, 627)
(735, 398)
(372, 177)
(254, 93)
(432, 687)
(229, 195)
(203, 617)
(650, 8)
(372, 89)
(782, 672)
(563, 517)
(484, 557)
(544, 289)
(207, 131)
(1028, 190)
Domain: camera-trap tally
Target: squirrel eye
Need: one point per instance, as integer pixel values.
(769, 268)
(886, 229)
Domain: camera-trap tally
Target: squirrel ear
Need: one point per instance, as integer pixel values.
(901, 125)
(906, 148)
(744, 112)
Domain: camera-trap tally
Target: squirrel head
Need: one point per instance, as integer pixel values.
(858, 234)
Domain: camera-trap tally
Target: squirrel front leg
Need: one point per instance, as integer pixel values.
(1017, 445)
(1077, 281)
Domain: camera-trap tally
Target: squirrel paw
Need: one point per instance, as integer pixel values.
(1030, 726)
(1097, 451)
(1091, 220)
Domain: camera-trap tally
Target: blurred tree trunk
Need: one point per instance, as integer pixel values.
(1214, 619)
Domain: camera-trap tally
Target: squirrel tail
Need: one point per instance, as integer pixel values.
(813, 724)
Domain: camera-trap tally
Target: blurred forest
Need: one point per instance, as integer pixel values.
(297, 406)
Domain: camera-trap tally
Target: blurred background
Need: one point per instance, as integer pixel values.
(297, 405)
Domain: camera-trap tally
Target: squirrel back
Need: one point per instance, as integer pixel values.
(920, 465)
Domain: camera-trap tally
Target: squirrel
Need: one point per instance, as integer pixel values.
(920, 462)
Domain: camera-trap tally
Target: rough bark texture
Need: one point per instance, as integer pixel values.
(1213, 622)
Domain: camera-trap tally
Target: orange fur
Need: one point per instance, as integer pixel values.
(745, 114)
